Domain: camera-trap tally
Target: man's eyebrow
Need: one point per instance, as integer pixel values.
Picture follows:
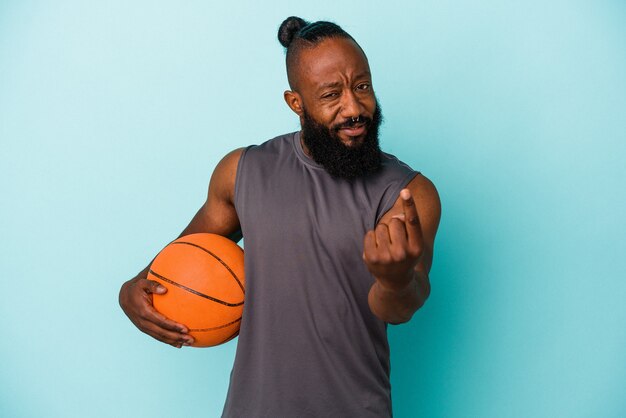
(329, 85)
(334, 84)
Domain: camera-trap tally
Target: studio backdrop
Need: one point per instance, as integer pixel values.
(114, 114)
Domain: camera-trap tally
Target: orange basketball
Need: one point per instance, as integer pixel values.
(204, 277)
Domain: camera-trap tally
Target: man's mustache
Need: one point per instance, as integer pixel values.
(349, 123)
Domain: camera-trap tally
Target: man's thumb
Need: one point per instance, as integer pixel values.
(156, 287)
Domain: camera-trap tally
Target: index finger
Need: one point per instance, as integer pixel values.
(151, 314)
(162, 321)
(411, 219)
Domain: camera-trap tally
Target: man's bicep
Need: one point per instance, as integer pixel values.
(218, 215)
(428, 206)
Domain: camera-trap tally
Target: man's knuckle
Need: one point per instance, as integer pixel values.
(140, 323)
(398, 255)
(163, 336)
(143, 314)
(415, 251)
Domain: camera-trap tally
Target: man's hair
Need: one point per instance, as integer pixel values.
(296, 34)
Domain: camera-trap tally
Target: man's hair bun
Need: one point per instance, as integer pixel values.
(289, 28)
(296, 34)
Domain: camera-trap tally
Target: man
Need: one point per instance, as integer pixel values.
(338, 237)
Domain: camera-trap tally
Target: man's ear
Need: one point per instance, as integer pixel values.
(294, 101)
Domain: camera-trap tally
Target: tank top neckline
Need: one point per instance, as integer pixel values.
(297, 145)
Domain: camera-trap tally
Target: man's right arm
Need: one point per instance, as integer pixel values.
(218, 216)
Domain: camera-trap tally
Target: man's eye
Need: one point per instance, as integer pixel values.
(363, 86)
(330, 95)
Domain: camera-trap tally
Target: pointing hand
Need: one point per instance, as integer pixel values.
(391, 251)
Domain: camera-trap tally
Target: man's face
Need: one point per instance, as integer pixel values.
(335, 85)
(337, 107)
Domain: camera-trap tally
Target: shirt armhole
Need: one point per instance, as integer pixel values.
(393, 194)
(239, 179)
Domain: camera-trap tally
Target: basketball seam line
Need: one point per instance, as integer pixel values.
(214, 328)
(218, 259)
(233, 335)
(195, 292)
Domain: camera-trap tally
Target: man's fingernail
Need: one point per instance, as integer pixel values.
(405, 194)
(401, 217)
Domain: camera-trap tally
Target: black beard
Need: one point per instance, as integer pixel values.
(339, 160)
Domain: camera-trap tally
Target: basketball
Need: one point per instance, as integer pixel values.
(204, 277)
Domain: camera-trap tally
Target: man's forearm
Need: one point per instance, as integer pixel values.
(398, 306)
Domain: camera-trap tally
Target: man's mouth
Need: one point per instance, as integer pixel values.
(354, 130)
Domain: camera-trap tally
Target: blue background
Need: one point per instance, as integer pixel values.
(114, 114)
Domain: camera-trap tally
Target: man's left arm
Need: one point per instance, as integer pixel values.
(399, 252)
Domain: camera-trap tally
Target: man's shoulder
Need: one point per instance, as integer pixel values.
(392, 167)
(274, 143)
(269, 152)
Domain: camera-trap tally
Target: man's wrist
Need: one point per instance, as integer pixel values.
(395, 291)
(418, 289)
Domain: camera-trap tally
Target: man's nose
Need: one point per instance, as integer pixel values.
(351, 108)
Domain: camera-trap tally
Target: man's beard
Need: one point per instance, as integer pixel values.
(339, 160)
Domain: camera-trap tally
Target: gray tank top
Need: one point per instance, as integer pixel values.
(309, 346)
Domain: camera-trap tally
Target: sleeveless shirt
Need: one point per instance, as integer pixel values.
(309, 345)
